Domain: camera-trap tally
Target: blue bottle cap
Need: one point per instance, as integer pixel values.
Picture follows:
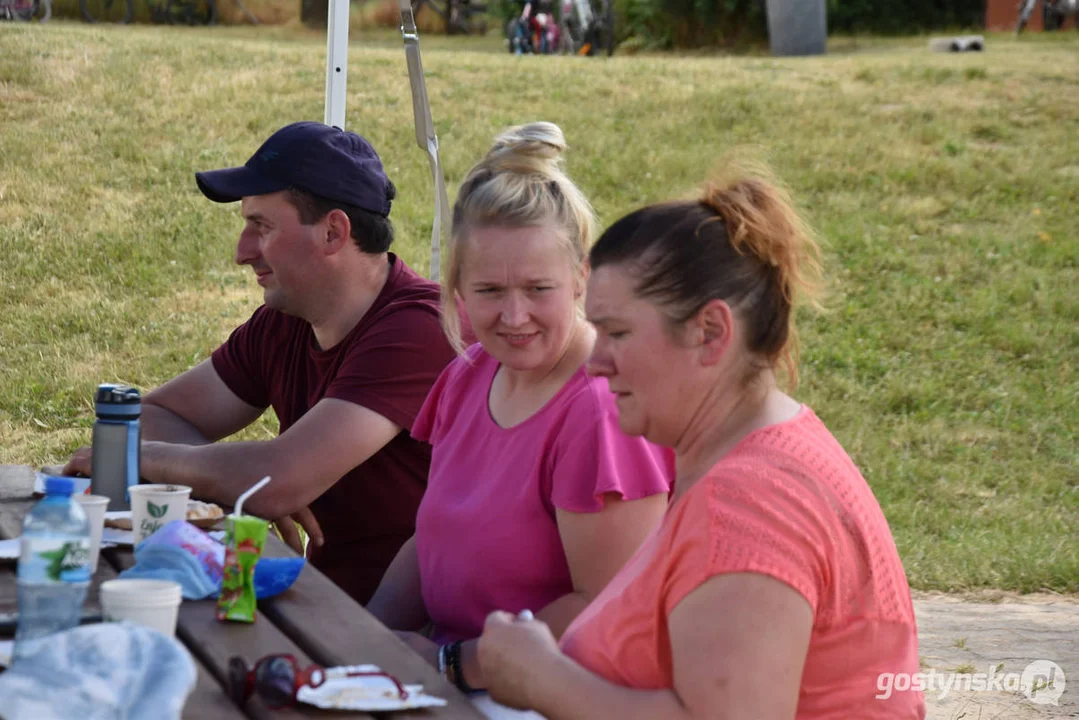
(117, 402)
(59, 486)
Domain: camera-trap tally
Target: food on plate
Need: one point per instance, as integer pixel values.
(198, 510)
(201, 514)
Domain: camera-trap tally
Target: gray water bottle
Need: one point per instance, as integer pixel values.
(116, 443)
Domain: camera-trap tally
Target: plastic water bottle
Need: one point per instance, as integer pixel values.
(54, 565)
(115, 464)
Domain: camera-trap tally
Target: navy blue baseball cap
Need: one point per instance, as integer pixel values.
(323, 160)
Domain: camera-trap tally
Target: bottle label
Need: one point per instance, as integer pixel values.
(133, 447)
(54, 560)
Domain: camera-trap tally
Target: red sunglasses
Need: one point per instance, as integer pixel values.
(278, 678)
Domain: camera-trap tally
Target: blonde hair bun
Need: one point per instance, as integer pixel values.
(519, 183)
(526, 149)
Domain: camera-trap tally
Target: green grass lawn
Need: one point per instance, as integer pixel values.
(946, 187)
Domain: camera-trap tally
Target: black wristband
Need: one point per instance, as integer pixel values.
(453, 662)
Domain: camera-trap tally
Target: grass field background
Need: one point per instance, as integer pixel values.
(946, 188)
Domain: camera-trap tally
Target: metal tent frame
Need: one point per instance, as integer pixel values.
(426, 138)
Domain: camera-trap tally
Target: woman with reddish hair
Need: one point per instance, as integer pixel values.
(773, 588)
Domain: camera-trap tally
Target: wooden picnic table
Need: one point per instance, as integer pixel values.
(314, 620)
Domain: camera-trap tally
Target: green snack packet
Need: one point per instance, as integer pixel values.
(245, 536)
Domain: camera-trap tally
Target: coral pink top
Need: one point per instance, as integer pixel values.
(786, 502)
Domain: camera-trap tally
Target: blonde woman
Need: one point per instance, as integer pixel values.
(535, 497)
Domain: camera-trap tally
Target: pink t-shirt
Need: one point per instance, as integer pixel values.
(486, 532)
(786, 502)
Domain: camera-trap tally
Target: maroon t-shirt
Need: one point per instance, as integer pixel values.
(386, 364)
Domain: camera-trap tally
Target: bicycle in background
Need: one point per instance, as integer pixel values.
(23, 10)
(461, 17)
(584, 27)
(588, 27)
(173, 12)
(1054, 13)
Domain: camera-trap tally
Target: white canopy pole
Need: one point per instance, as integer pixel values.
(336, 62)
(425, 132)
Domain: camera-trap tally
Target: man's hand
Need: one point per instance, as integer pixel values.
(80, 464)
(286, 526)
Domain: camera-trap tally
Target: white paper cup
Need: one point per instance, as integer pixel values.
(153, 603)
(155, 506)
(94, 506)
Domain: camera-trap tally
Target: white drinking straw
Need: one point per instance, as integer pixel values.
(238, 510)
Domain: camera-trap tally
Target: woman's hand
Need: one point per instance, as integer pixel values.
(510, 650)
(425, 648)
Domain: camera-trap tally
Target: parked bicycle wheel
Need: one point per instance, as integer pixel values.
(1052, 19)
(191, 12)
(596, 24)
(17, 10)
(1026, 8)
(576, 19)
(606, 41)
(116, 11)
(438, 7)
(461, 17)
(600, 36)
(515, 37)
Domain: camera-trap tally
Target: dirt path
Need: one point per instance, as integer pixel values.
(976, 634)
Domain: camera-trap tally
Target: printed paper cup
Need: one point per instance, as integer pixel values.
(155, 506)
(153, 603)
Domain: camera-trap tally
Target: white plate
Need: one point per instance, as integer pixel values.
(6, 648)
(82, 484)
(116, 537)
(121, 519)
(369, 693)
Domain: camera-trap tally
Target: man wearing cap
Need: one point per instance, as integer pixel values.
(344, 349)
